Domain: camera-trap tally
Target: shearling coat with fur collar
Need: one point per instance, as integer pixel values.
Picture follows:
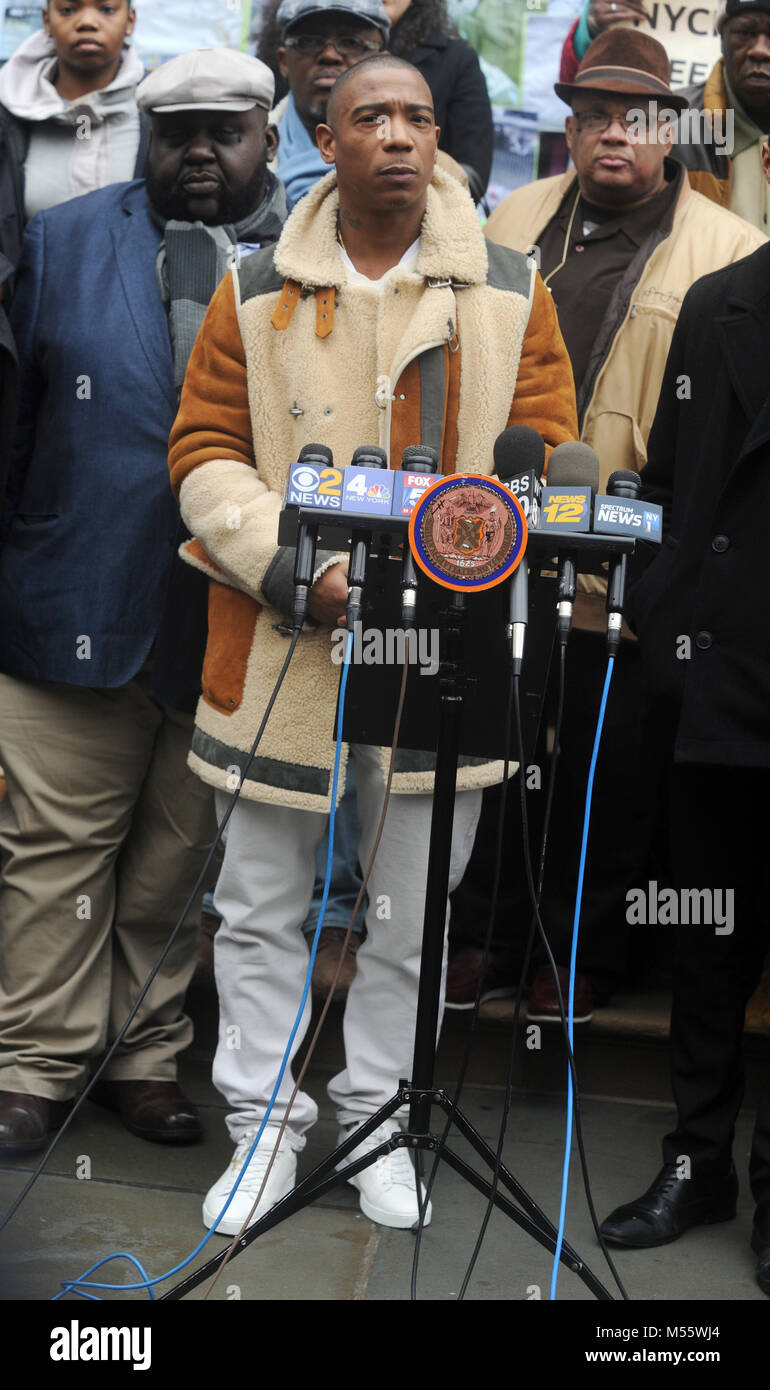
(447, 351)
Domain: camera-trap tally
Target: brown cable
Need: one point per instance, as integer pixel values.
(333, 985)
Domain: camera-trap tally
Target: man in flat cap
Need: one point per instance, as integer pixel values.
(102, 629)
(619, 239)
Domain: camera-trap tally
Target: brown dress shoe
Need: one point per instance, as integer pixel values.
(155, 1110)
(543, 1004)
(29, 1122)
(326, 958)
(463, 978)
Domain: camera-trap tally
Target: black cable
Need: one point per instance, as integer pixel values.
(177, 928)
(499, 838)
(513, 685)
(509, 1082)
(558, 720)
(570, 1057)
(536, 922)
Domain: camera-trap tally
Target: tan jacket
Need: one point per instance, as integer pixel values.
(618, 416)
(448, 352)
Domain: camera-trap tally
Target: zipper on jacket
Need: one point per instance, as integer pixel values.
(424, 347)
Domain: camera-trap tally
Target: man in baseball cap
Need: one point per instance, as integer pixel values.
(101, 627)
(319, 42)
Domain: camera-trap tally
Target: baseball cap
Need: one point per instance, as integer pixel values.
(368, 11)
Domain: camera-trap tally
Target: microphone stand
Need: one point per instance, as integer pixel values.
(421, 1093)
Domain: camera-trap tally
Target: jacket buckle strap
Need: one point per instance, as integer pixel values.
(449, 284)
(287, 303)
(324, 312)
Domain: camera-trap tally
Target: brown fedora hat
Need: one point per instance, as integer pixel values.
(624, 61)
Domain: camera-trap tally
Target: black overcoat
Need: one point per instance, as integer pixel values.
(701, 609)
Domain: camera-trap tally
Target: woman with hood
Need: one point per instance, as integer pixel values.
(68, 119)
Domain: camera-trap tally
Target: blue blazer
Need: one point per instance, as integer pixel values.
(89, 576)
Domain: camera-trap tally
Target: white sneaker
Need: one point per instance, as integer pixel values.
(388, 1187)
(280, 1182)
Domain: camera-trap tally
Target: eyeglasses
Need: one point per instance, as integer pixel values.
(597, 121)
(348, 45)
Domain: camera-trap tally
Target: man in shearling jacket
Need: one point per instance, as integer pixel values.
(381, 317)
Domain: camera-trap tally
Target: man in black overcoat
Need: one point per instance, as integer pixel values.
(701, 611)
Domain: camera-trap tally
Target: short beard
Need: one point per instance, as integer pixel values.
(233, 207)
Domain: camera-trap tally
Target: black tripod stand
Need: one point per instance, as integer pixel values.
(420, 1093)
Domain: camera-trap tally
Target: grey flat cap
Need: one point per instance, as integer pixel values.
(368, 11)
(214, 79)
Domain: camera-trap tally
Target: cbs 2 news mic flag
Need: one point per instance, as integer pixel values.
(356, 490)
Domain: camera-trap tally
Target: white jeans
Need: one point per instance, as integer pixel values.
(261, 955)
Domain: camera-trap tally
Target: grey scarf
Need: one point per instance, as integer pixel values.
(193, 258)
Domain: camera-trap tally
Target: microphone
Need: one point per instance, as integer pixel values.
(416, 458)
(519, 454)
(573, 468)
(307, 538)
(623, 483)
(365, 456)
(420, 458)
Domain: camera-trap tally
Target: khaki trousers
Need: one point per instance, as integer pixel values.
(102, 834)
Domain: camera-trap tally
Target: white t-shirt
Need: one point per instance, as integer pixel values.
(356, 278)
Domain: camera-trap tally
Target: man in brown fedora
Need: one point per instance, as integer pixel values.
(619, 239)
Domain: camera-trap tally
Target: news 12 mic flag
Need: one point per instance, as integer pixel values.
(565, 508)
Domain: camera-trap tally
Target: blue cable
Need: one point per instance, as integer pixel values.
(573, 959)
(69, 1286)
(78, 1285)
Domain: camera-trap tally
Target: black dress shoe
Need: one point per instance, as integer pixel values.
(29, 1122)
(155, 1110)
(670, 1207)
(760, 1244)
